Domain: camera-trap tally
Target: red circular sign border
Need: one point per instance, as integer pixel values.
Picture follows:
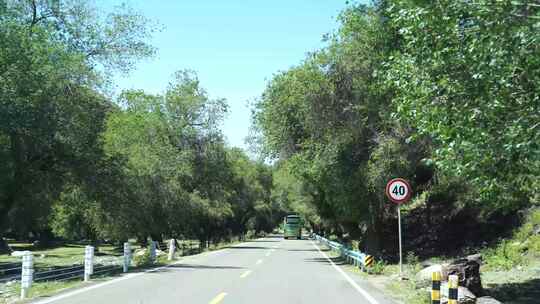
(406, 198)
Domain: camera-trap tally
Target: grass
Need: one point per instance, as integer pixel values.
(65, 255)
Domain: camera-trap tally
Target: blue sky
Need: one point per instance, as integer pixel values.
(235, 46)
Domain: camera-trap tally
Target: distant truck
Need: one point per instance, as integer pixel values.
(292, 227)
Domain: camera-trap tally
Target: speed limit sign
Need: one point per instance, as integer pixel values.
(398, 190)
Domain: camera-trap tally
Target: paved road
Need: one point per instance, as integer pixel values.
(265, 271)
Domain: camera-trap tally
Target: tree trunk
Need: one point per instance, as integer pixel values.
(4, 246)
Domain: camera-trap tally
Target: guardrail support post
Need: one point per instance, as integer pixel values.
(453, 289)
(26, 274)
(127, 256)
(436, 288)
(88, 262)
(172, 248)
(153, 251)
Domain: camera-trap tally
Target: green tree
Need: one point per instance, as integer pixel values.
(51, 112)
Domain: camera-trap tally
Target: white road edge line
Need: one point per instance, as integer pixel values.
(124, 277)
(364, 293)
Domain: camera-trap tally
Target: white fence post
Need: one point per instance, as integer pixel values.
(172, 248)
(27, 273)
(153, 251)
(127, 256)
(88, 262)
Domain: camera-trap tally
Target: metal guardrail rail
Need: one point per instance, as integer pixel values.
(357, 258)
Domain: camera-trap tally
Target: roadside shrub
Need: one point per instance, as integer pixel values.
(505, 256)
(250, 234)
(412, 263)
(143, 260)
(378, 267)
(514, 252)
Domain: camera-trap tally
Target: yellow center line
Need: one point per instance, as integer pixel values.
(218, 298)
(245, 274)
(258, 262)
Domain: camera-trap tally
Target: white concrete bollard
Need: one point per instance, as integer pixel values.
(172, 249)
(153, 251)
(27, 273)
(127, 256)
(88, 262)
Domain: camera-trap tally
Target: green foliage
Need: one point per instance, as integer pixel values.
(51, 107)
(505, 256)
(143, 260)
(518, 250)
(466, 74)
(378, 267)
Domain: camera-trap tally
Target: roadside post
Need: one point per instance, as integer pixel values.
(453, 289)
(27, 273)
(88, 262)
(436, 288)
(172, 248)
(153, 251)
(398, 190)
(127, 256)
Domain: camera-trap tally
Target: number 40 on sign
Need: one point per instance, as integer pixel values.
(398, 190)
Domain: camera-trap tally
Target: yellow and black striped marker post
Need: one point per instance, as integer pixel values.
(368, 260)
(436, 288)
(453, 289)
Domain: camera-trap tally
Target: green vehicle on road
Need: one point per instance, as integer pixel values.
(292, 226)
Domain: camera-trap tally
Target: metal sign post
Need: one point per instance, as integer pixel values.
(399, 233)
(398, 190)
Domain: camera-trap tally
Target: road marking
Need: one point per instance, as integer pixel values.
(268, 253)
(272, 250)
(364, 293)
(258, 262)
(218, 298)
(245, 274)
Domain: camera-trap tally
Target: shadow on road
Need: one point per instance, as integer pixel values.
(308, 250)
(527, 292)
(338, 261)
(195, 266)
(261, 241)
(248, 247)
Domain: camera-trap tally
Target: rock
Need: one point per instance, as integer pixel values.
(465, 296)
(468, 273)
(475, 257)
(487, 300)
(425, 274)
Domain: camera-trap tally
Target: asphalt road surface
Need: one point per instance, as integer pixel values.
(265, 271)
